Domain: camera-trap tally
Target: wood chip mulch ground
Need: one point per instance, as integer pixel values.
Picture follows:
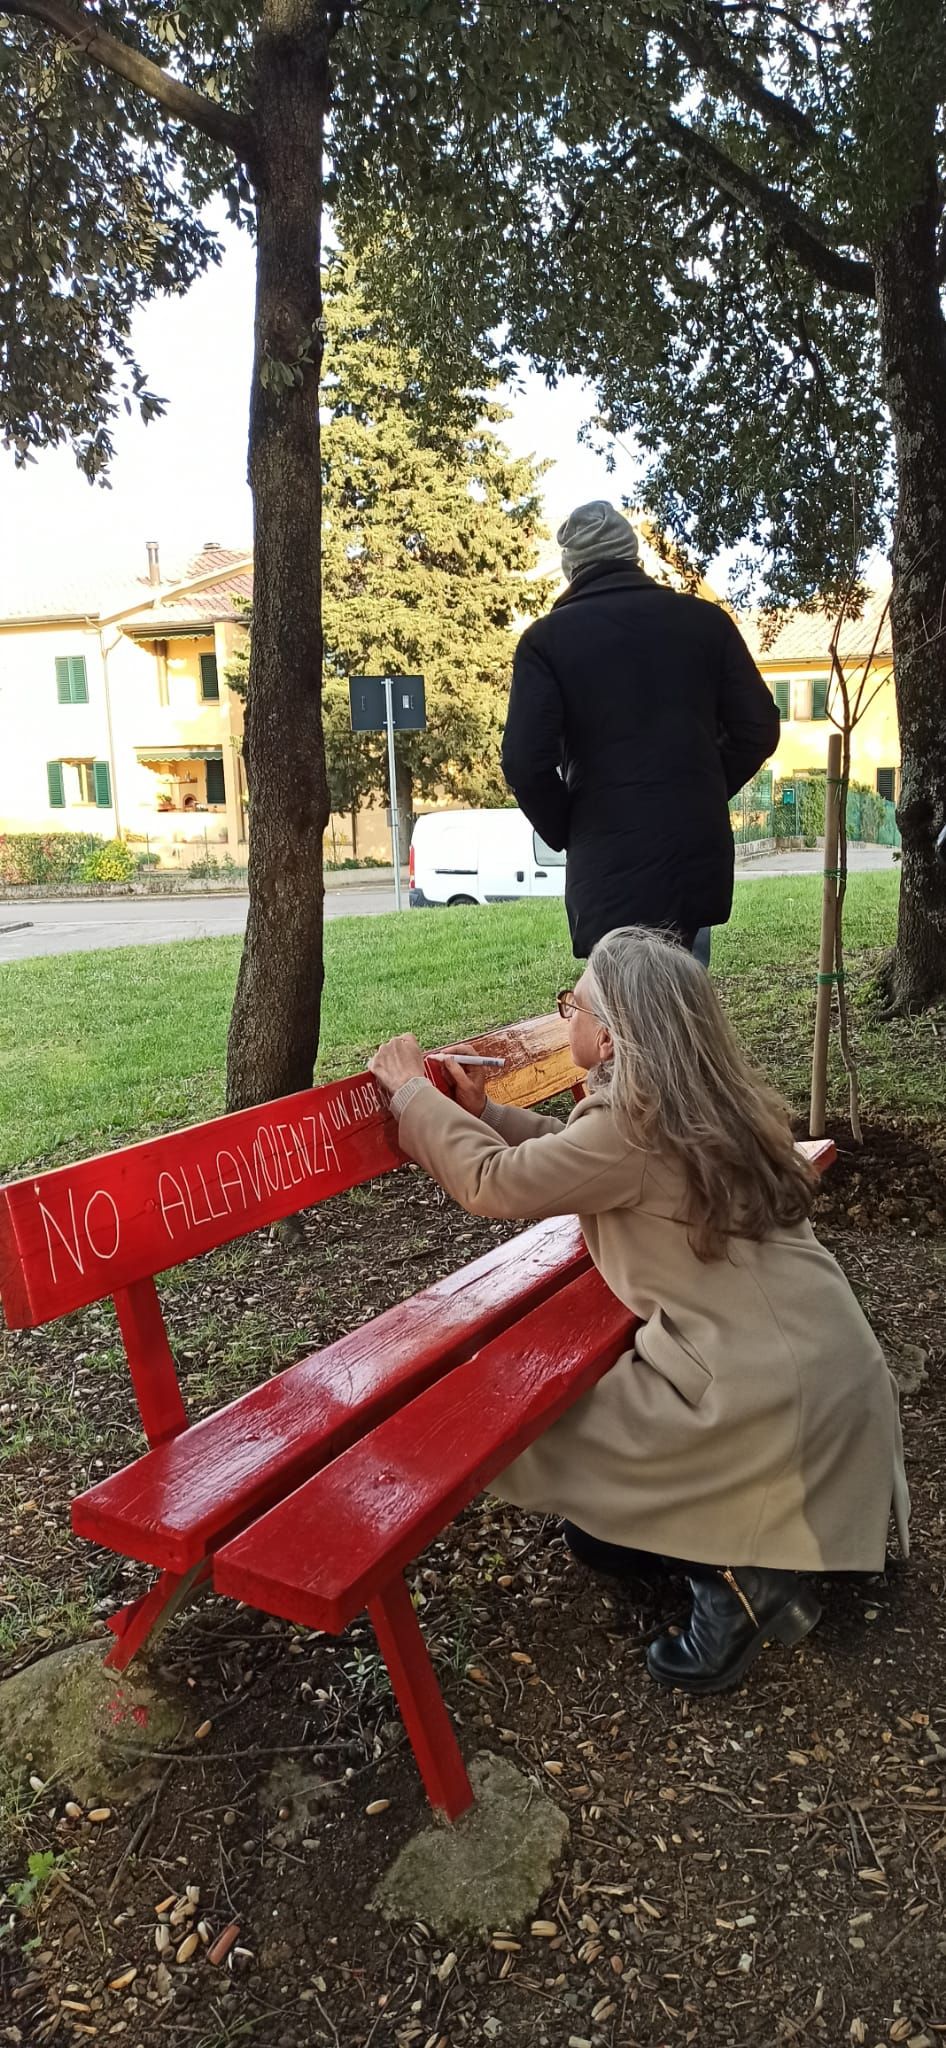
(766, 1867)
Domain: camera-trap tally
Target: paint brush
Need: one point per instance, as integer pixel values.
(467, 1059)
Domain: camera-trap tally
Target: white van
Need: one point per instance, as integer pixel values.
(480, 857)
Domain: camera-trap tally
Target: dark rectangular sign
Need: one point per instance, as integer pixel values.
(368, 709)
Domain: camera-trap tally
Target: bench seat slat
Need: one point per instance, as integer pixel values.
(171, 1505)
(319, 1556)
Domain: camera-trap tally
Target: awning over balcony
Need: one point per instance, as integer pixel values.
(164, 756)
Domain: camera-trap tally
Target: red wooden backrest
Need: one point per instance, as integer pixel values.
(80, 1233)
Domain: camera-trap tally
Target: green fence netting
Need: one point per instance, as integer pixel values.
(792, 809)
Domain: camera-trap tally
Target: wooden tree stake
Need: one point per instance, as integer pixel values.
(826, 968)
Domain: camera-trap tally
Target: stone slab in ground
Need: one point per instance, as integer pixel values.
(67, 1718)
(489, 1869)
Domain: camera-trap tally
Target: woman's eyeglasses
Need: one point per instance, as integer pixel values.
(567, 1004)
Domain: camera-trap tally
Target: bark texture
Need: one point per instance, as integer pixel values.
(913, 343)
(274, 1028)
(405, 804)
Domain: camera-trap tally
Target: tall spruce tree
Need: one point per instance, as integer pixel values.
(430, 541)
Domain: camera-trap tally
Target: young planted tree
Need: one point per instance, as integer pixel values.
(732, 218)
(430, 540)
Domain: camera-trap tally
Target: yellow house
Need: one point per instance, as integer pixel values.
(117, 718)
(796, 665)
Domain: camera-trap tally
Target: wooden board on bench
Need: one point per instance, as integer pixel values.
(174, 1504)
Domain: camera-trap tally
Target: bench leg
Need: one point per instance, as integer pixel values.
(420, 1699)
(144, 1618)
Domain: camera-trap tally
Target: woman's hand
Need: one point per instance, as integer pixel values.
(467, 1084)
(400, 1060)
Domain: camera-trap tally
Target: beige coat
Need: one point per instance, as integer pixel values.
(755, 1421)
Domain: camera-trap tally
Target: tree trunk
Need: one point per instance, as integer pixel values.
(274, 1028)
(913, 345)
(405, 804)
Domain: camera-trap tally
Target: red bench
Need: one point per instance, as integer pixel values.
(309, 1495)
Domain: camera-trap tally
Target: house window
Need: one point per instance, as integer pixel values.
(72, 682)
(93, 783)
(781, 691)
(216, 789)
(810, 699)
(209, 679)
(56, 786)
(887, 784)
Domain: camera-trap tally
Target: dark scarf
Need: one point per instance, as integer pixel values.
(602, 578)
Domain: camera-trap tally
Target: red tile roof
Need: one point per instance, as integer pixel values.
(224, 576)
(216, 585)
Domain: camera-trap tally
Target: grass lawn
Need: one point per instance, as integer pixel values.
(97, 1048)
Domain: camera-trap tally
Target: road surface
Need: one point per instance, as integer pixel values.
(86, 924)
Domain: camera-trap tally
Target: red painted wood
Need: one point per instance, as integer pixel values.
(132, 1625)
(74, 1236)
(150, 1361)
(319, 1555)
(172, 1505)
(819, 1152)
(429, 1727)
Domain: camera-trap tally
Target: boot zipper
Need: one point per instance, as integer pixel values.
(734, 1587)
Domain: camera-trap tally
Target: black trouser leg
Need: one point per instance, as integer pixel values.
(613, 1559)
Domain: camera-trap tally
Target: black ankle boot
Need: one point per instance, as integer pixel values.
(734, 1613)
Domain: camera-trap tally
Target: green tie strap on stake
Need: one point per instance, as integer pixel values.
(836, 975)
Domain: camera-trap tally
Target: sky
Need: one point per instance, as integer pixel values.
(182, 480)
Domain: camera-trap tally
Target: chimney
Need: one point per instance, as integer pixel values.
(154, 566)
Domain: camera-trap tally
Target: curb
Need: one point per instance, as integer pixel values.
(105, 892)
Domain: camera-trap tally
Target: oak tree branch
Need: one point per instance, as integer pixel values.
(182, 102)
(798, 230)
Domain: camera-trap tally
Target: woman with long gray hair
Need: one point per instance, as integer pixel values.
(752, 1434)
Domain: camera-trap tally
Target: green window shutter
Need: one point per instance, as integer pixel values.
(209, 679)
(216, 788)
(72, 681)
(782, 695)
(819, 697)
(57, 793)
(103, 785)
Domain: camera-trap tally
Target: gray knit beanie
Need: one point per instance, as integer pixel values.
(595, 533)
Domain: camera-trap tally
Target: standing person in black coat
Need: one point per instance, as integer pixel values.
(635, 714)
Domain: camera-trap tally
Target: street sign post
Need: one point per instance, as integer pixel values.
(394, 704)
